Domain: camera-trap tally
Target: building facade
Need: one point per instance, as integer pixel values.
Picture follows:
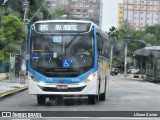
(81, 9)
(140, 13)
(120, 15)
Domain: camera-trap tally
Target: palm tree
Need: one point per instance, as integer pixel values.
(113, 34)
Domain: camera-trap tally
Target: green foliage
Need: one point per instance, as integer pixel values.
(56, 13)
(2, 37)
(12, 34)
(15, 8)
(150, 35)
(126, 30)
(34, 6)
(46, 13)
(113, 33)
(153, 32)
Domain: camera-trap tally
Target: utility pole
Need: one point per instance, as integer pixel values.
(2, 3)
(125, 60)
(111, 56)
(24, 43)
(25, 18)
(1, 8)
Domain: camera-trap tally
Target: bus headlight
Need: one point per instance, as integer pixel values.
(90, 77)
(41, 83)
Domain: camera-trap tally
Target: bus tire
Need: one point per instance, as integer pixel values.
(41, 100)
(59, 100)
(92, 99)
(102, 96)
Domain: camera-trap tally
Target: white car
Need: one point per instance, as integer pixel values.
(133, 71)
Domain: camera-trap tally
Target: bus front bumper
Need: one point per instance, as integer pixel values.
(84, 88)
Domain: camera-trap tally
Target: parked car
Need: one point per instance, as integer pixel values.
(115, 71)
(133, 71)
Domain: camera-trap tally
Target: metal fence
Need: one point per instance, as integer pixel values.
(4, 68)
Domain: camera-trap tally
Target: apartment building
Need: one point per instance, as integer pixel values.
(140, 13)
(59, 3)
(81, 9)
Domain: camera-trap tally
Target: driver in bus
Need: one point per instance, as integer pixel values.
(83, 52)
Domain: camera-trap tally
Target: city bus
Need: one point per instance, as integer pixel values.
(68, 58)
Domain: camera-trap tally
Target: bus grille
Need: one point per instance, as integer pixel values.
(52, 89)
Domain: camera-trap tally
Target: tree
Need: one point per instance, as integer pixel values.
(1, 2)
(57, 12)
(113, 34)
(153, 32)
(46, 12)
(34, 6)
(15, 8)
(126, 30)
(12, 35)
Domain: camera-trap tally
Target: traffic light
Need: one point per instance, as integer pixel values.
(128, 39)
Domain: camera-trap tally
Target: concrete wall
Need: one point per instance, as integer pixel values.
(3, 76)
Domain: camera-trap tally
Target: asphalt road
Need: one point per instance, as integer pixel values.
(123, 94)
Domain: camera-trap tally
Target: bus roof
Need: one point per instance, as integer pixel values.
(63, 26)
(74, 21)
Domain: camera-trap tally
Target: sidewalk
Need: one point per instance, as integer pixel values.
(131, 76)
(8, 87)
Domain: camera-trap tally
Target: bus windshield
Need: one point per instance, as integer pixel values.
(61, 55)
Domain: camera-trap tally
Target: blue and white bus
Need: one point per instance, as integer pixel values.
(68, 58)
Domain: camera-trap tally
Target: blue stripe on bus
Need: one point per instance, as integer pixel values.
(95, 50)
(29, 38)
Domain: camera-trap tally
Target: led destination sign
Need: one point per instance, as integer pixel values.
(62, 27)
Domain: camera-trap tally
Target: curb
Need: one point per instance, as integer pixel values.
(12, 92)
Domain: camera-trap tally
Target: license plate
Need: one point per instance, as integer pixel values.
(62, 87)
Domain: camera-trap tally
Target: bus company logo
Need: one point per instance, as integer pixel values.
(49, 80)
(6, 114)
(61, 80)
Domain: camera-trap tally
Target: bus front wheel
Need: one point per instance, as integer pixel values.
(92, 99)
(102, 96)
(41, 100)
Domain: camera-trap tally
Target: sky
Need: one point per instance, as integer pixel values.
(109, 15)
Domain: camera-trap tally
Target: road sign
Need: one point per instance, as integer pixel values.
(66, 63)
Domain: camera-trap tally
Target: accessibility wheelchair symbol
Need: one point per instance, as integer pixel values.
(66, 63)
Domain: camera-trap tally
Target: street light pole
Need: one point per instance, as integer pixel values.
(125, 60)
(126, 40)
(111, 57)
(1, 8)
(23, 51)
